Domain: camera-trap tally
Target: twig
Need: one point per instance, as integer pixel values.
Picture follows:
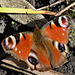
(14, 65)
(65, 9)
(33, 3)
(72, 10)
(67, 2)
(51, 5)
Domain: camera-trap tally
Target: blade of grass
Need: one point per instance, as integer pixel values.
(25, 11)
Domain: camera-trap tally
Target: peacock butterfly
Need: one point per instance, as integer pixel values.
(42, 49)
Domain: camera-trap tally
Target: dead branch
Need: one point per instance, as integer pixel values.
(20, 67)
(58, 2)
(65, 9)
(72, 10)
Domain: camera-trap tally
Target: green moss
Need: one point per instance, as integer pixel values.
(69, 39)
(60, 70)
(12, 22)
(70, 30)
(47, 9)
(72, 14)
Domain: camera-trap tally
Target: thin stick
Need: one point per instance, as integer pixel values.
(72, 10)
(51, 72)
(13, 64)
(3, 65)
(73, 4)
(51, 5)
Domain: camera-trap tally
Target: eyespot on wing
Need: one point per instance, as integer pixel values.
(18, 45)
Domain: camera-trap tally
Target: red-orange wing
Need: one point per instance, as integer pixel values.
(18, 45)
(57, 58)
(57, 29)
(44, 62)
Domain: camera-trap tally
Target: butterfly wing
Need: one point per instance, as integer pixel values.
(18, 45)
(37, 49)
(38, 60)
(57, 54)
(55, 33)
(22, 46)
(57, 29)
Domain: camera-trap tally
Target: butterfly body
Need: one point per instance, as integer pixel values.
(42, 49)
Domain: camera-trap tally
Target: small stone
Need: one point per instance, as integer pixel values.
(2, 26)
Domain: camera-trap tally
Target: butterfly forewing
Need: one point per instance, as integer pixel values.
(57, 30)
(18, 45)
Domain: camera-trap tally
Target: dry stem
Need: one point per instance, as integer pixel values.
(51, 5)
(65, 9)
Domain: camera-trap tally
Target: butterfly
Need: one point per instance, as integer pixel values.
(42, 49)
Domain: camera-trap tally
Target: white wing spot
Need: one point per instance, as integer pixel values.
(66, 23)
(15, 49)
(63, 29)
(9, 46)
(6, 41)
(14, 40)
(19, 52)
(52, 22)
(21, 35)
(62, 33)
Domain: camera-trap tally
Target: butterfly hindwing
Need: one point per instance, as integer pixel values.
(57, 57)
(38, 60)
